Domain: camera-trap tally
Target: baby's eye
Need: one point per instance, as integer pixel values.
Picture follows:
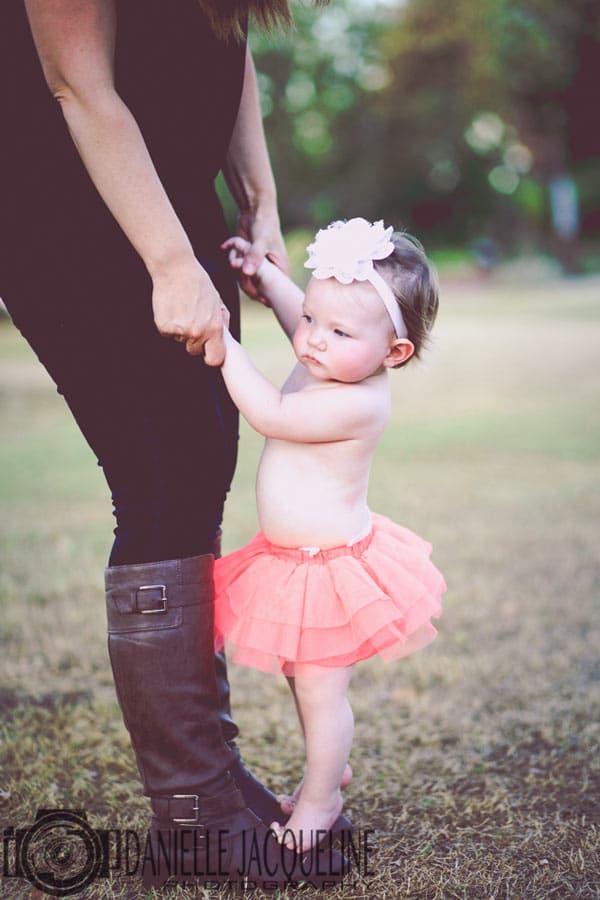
(307, 317)
(340, 333)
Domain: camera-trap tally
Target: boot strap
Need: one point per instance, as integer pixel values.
(156, 587)
(154, 598)
(191, 809)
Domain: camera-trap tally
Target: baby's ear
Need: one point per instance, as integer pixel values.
(400, 352)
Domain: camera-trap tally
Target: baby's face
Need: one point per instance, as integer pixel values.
(345, 333)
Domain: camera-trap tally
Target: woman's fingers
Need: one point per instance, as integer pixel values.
(226, 315)
(279, 259)
(202, 339)
(177, 331)
(214, 350)
(187, 309)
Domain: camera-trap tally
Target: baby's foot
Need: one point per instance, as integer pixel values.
(308, 818)
(288, 801)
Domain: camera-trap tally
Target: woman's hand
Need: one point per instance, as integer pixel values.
(226, 315)
(263, 234)
(188, 308)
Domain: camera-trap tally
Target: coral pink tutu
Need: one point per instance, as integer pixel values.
(280, 606)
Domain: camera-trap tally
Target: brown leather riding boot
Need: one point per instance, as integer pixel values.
(160, 627)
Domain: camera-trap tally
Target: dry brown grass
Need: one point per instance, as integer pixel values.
(477, 761)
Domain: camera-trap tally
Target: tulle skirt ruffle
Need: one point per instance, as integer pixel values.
(281, 606)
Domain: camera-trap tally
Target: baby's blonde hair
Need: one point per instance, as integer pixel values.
(413, 281)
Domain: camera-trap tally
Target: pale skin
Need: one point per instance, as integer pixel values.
(75, 40)
(321, 431)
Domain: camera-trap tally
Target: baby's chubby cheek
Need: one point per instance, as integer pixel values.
(348, 370)
(361, 364)
(296, 338)
(299, 342)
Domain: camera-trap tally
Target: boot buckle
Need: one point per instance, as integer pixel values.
(195, 807)
(163, 596)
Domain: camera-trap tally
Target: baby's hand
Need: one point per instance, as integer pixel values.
(238, 249)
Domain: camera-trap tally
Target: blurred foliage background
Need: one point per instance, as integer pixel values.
(472, 123)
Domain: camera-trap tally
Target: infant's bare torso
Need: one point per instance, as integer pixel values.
(316, 494)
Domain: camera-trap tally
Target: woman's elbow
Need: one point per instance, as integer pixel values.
(61, 92)
(77, 88)
(58, 82)
(68, 95)
(84, 103)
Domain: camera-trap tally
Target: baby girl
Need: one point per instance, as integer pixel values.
(326, 582)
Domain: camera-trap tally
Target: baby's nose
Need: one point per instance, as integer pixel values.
(317, 339)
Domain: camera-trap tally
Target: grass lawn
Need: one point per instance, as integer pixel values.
(477, 761)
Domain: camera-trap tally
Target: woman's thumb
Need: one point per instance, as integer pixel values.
(214, 350)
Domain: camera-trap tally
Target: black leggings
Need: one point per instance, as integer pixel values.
(159, 421)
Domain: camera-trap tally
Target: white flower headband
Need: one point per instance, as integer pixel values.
(346, 250)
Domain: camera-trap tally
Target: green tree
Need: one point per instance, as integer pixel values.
(445, 117)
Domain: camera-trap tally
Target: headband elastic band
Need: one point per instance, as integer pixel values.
(391, 304)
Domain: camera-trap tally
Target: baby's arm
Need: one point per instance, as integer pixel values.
(337, 413)
(283, 295)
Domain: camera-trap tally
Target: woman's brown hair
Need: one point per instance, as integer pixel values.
(228, 17)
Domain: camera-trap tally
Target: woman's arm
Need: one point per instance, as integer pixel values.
(329, 414)
(249, 177)
(75, 40)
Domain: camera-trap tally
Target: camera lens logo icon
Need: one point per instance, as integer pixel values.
(60, 853)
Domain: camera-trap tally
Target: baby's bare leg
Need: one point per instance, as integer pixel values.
(328, 725)
(288, 801)
(292, 684)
